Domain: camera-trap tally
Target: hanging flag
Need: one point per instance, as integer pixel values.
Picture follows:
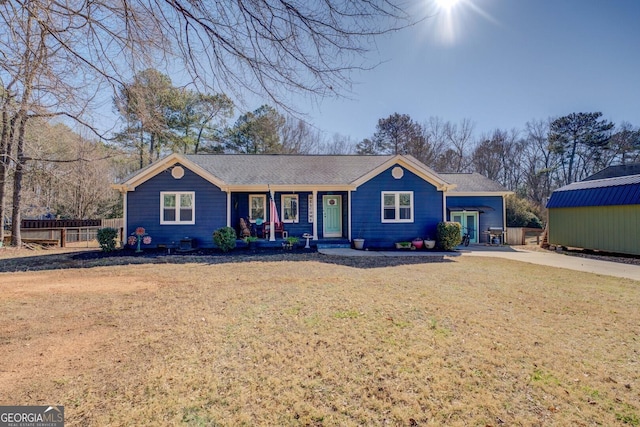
(273, 211)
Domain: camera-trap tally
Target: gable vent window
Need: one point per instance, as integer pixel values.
(177, 172)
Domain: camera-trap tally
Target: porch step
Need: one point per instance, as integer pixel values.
(545, 238)
(333, 245)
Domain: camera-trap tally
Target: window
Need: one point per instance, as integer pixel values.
(289, 208)
(397, 206)
(177, 208)
(257, 203)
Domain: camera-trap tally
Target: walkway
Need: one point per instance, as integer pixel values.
(548, 258)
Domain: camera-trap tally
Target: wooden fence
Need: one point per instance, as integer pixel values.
(79, 233)
(521, 235)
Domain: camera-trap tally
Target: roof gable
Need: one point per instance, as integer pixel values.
(411, 164)
(155, 168)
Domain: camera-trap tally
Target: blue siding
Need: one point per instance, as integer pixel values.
(303, 225)
(240, 209)
(366, 204)
(143, 209)
(487, 218)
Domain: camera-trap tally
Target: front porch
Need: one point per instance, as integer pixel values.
(332, 242)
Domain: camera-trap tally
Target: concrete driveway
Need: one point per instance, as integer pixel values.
(548, 258)
(555, 259)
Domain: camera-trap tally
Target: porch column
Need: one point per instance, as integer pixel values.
(504, 215)
(444, 205)
(349, 214)
(125, 208)
(272, 214)
(315, 214)
(228, 208)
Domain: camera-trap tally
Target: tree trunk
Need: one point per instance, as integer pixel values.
(16, 237)
(5, 151)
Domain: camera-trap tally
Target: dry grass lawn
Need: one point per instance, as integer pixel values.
(468, 341)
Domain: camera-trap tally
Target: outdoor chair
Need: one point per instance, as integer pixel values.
(278, 228)
(245, 231)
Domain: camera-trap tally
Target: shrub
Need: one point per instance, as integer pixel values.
(107, 238)
(225, 238)
(520, 213)
(449, 235)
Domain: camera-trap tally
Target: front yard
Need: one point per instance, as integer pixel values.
(309, 340)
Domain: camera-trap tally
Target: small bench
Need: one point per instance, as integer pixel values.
(42, 242)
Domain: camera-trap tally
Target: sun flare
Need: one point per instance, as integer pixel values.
(449, 19)
(447, 4)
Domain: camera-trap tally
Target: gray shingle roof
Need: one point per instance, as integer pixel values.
(472, 182)
(616, 171)
(309, 170)
(278, 169)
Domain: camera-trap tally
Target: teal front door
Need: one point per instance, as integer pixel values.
(332, 216)
(469, 222)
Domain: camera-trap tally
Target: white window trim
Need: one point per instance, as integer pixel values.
(282, 207)
(264, 206)
(397, 207)
(177, 221)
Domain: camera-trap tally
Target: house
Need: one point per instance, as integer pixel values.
(477, 203)
(383, 199)
(600, 213)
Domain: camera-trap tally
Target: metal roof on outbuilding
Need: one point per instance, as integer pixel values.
(623, 190)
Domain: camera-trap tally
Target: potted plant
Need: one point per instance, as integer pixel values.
(429, 243)
(250, 241)
(403, 245)
(417, 242)
(290, 242)
(358, 241)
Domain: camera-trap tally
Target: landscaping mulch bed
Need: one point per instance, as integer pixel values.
(26, 260)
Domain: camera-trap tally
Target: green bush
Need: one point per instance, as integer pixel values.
(107, 238)
(449, 235)
(225, 238)
(521, 213)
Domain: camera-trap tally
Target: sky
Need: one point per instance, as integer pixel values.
(499, 64)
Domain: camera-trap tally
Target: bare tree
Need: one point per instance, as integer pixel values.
(298, 137)
(433, 154)
(499, 158)
(66, 172)
(57, 55)
(268, 48)
(538, 162)
(338, 144)
(459, 141)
